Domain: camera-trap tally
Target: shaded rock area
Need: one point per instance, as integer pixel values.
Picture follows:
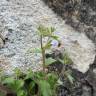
(80, 14)
(84, 84)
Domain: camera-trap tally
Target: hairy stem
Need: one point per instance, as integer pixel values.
(43, 53)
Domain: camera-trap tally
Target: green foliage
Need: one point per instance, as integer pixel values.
(16, 85)
(45, 89)
(1, 94)
(48, 44)
(26, 86)
(18, 73)
(49, 61)
(69, 76)
(35, 50)
(38, 83)
(8, 80)
(52, 79)
(49, 33)
(66, 59)
(21, 93)
(45, 31)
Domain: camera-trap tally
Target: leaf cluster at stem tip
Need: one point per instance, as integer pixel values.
(45, 31)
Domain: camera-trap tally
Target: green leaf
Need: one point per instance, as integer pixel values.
(52, 80)
(49, 61)
(18, 84)
(62, 61)
(55, 37)
(13, 83)
(39, 75)
(45, 31)
(66, 59)
(35, 50)
(21, 93)
(8, 80)
(48, 45)
(17, 72)
(60, 82)
(1, 94)
(70, 78)
(45, 89)
(29, 75)
(32, 88)
(52, 29)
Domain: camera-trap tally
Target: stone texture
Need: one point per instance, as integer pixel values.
(1, 43)
(20, 19)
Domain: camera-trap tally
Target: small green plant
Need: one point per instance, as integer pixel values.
(45, 32)
(66, 60)
(66, 72)
(39, 83)
(36, 83)
(32, 83)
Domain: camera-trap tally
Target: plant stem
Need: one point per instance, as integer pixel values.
(43, 53)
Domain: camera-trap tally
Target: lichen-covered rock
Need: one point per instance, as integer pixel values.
(20, 19)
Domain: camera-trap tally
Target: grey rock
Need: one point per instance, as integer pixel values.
(86, 91)
(20, 19)
(1, 43)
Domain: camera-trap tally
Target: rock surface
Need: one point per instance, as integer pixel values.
(20, 19)
(79, 14)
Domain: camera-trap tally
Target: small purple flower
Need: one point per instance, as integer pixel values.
(54, 43)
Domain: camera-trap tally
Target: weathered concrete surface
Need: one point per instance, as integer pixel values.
(18, 22)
